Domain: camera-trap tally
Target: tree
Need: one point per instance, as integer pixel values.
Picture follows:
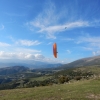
(63, 79)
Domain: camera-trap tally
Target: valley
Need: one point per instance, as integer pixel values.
(63, 78)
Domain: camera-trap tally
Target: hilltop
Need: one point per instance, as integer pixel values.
(90, 61)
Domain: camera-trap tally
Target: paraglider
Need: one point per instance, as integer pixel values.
(55, 50)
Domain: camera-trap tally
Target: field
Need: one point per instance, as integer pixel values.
(41, 78)
(76, 90)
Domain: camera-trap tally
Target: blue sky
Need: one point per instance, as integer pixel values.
(28, 29)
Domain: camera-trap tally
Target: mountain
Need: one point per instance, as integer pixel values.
(13, 70)
(90, 61)
(27, 63)
(19, 76)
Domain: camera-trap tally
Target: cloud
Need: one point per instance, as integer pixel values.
(93, 41)
(24, 42)
(51, 21)
(2, 27)
(67, 39)
(2, 44)
(49, 43)
(4, 54)
(88, 48)
(28, 42)
(58, 28)
(11, 38)
(28, 56)
(20, 55)
(50, 30)
(68, 51)
(26, 50)
(96, 52)
(39, 56)
(90, 43)
(24, 55)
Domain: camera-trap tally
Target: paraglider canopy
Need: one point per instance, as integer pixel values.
(55, 50)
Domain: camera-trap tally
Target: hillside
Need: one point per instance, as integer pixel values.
(90, 61)
(20, 76)
(78, 90)
(45, 77)
(73, 83)
(13, 70)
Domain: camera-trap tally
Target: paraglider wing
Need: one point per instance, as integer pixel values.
(55, 50)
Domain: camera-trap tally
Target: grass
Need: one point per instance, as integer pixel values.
(79, 90)
(40, 78)
(94, 69)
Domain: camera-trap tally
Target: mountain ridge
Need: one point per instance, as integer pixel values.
(89, 61)
(30, 63)
(13, 70)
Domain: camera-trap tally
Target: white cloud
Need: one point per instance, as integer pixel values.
(50, 30)
(20, 55)
(88, 48)
(58, 28)
(39, 56)
(29, 56)
(24, 42)
(28, 42)
(49, 43)
(2, 27)
(11, 38)
(90, 43)
(93, 41)
(26, 50)
(49, 21)
(2, 44)
(68, 51)
(96, 53)
(7, 55)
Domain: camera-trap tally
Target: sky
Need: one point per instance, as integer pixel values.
(28, 29)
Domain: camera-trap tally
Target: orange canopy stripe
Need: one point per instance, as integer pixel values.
(55, 50)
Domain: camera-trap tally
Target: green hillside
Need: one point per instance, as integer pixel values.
(31, 79)
(85, 69)
(77, 90)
